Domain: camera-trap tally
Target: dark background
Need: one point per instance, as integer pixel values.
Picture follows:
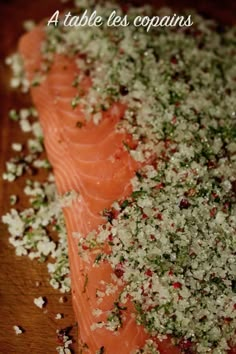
(18, 275)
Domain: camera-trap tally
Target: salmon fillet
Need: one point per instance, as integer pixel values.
(92, 161)
(93, 165)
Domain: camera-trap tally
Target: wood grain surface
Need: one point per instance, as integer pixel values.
(18, 275)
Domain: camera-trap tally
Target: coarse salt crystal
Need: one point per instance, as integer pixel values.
(39, 301)
(16, 147)
(62, 299)
(58, 316)
(25, 125)
(17, 330)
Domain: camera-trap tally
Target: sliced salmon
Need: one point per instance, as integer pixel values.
(91, 160)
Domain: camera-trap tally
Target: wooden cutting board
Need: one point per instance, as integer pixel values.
(18, 275)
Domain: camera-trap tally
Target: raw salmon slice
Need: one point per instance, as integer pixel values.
(91, 160)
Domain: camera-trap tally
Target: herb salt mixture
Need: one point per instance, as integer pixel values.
(172, 243)
(31, 229)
